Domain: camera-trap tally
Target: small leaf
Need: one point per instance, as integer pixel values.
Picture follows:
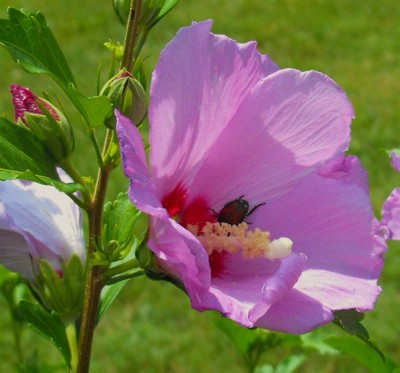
(166, 8)
(49, 325)
(290, 364)
(108, 295)
(349, 321)
(33, 46)
(20, 151)
(67, 188)
(94, 110)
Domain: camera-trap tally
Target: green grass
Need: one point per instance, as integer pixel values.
(151, 327)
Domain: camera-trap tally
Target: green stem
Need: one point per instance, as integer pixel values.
(70, 169)
(127, 276)
(94, 277)
(131, 35)
(124, 267)
(92, 135)
(73, 345)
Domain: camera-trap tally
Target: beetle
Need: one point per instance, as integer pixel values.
(234, 212)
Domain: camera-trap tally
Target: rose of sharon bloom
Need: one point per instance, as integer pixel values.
(226, 123)
(395, 160)
(37, 221)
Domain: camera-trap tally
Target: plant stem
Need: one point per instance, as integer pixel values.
(131, 35)
(73, 345)
(94, 282)
(94, 277)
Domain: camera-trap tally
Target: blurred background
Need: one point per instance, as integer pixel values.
(151, 327)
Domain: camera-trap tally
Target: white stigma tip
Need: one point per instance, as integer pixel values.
(279, 248)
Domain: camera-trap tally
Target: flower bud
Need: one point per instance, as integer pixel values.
(60, 291)
(44, 120)
(128, 96)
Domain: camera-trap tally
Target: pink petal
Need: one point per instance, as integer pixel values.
(141, 189)
(248, 288)
(395, 160)
(46, 215)
(331, 222)
(197, 87)
(296, 313)
(391, 214)
(180, 255)
(288, 125)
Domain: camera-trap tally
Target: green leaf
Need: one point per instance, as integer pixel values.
(290, 364)
(349, 321)
(366, 354)
(20, 150)
(33, 46)
(108, 295)
(94, 110)
(166, 8)
(49, 325)
(67, 188)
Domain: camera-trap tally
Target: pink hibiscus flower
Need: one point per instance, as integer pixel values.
(229, 131)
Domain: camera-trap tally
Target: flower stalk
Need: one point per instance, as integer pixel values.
(94, 277)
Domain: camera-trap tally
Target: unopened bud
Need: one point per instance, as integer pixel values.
(128, 96)
(44, 120)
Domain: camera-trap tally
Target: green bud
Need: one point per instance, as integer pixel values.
(128, 96)
(61, 291)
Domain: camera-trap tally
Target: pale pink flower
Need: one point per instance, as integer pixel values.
(37, 221)
(225, 123)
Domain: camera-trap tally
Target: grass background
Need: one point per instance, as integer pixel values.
(151, 327)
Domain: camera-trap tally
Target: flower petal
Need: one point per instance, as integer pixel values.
(141, 189)
(395, 160)
(330, 220)
(197, 87)
(246, 289)
(45, 215)
(181, 255)
(296, 313)
(391, 214)
(288, 125)
(14, 248)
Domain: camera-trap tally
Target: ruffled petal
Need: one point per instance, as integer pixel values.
(395, 160)
(46, 215)
(286, 128)
(330, 220)
(180, 255)
(197, 87)
(391, 214)
(141, 188)
(296, 313)
(246, 289)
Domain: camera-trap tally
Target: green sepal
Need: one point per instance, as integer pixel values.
(20, 150)
(49, 325)
(33, 46)
(61, 293)
(120, 217)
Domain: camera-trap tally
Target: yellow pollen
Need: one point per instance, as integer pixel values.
(234, 238)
